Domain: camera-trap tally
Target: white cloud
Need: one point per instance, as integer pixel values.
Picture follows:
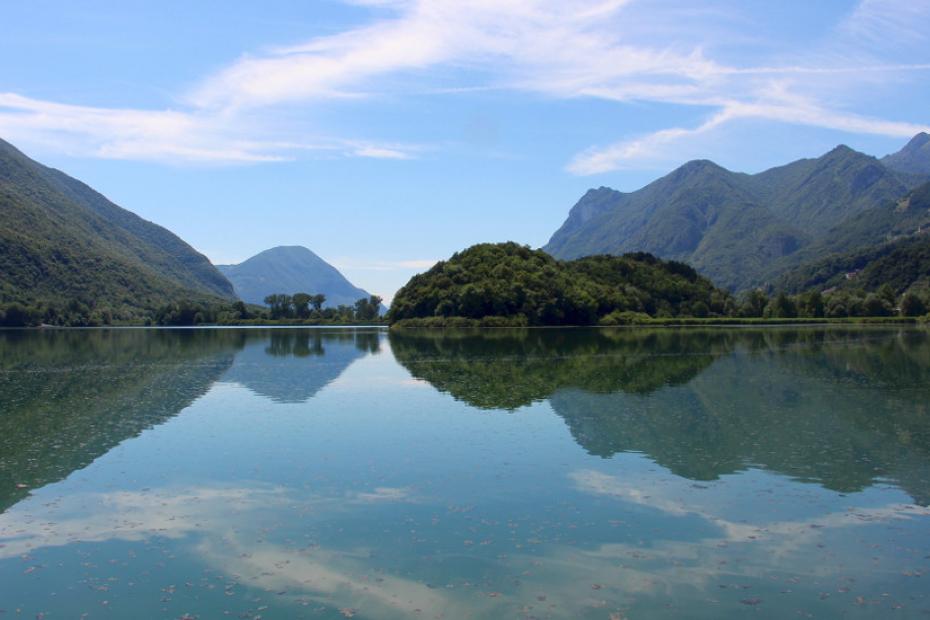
(665, 144)
(169, 136)
(605, 49)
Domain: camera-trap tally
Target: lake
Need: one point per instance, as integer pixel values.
(566, 473)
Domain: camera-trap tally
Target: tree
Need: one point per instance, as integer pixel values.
(280, 306)
(16, 315)
(301, 303)
(877, 305)
(368, 309)
(912, 305)
(782, 307)
(811, 305)
(240, 310)
(754, 303)
(317, 301)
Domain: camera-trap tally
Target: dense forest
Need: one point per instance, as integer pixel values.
(519, 285)
(511, 285)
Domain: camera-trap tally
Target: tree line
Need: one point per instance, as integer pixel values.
(299, 308)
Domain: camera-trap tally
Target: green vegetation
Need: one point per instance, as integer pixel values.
(529, 287)
(71, 257)
(298, 309)
(903, 265)
(508, 285)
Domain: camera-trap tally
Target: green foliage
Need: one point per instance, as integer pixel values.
(368, 309)
(781, 307)
(516, 282)
(912, 305)
(62, 242)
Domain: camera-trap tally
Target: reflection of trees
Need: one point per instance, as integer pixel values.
(507, 369)
(292, 365)
(840, 407)
(307, 342)
(68, 397)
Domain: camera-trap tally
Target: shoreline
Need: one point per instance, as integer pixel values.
(475, 324)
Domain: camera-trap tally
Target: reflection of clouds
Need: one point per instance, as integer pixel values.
(779, 539)
(171, 513)
(126, 515)
(228, 530)
(599, 483)
(384, 494)
(224, 520)
(340, 579)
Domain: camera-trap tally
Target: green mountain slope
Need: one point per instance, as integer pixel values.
(289, 270)
(60, 241)
(895, 229)
(914, 158)
(730, 226)
(816, 194)
(529, 286)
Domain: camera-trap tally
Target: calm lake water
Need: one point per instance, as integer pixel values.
(607, 474)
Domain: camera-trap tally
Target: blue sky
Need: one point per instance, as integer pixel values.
(386, 134)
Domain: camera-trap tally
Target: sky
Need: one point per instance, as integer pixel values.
(387, 134)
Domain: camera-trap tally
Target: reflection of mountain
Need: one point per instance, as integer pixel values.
(292, 365)
(67, 398)
(843, 408)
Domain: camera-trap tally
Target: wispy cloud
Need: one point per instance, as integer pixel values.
(601, 49)
(169, 136)
(645, 151)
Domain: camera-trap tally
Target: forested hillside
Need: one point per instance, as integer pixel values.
(69, 252)
(526, 286)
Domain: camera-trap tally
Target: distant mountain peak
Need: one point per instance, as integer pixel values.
(914, 158)
(696, 165)
(290, 269)
(918, 141)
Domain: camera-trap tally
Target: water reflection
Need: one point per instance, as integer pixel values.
(843, 408)
(291, 366)
(68, 397)
(550, 474)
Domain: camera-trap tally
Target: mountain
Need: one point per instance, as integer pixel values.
(289, 270)
(914, 158)
(62, 241)
(730, 226)
(888, 243)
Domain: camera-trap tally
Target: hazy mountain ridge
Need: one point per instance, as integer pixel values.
(914, 158)
(289, 270)
(732, 226)
(61, 240)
